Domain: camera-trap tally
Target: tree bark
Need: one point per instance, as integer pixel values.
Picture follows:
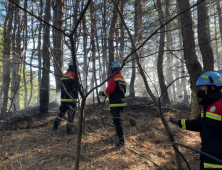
(111, 33)
(169, 64)
(192, 63)
(93, 27)
(6, 57)
(25, 39)
(44, 91)
(161, 78)
(16, 63)
(85, 66)
(220, 17)
(122, 35)
(39, 52)
(58, 45)
(220, 27)
(104, 47)
(30, 66)
(183, 86)
(133, 76)
(216, 43)
(206, 51)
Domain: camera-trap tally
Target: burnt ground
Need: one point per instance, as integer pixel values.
(26, 142)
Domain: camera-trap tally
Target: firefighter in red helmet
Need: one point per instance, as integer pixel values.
(67, 104)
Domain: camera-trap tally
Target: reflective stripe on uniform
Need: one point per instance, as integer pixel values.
(117, 105)
(66, 78)
(68, 100)
(119, 79)
(183, 123)
(215, 166)
(212, 116)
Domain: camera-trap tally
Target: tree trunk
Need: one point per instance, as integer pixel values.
(85, 66)
(93, 27)
(216, 43)
(169, 64)
(39, 52)
(16, 48)
(220, 17)
(183, 87)
(220, 27)
(31, 73)
(104, 48)
(6, 57)
(133, 76)
(163, 87)
(111, 33)
(192, 63)
(140, 33)
(206, 51)
(44, 91)
(122, 35)
(58, 46)
(25, 39)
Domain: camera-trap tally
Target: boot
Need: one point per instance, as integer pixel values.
(70, 130)
(54, 130)
(121, 142)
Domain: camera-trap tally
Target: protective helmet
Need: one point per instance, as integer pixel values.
(220, 72)
(70, 63)
(209, 78)
(115, 65)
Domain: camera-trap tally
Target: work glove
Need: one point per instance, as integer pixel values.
(101, 93)
(175, 121)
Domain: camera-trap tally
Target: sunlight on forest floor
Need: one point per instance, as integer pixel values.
(35, 148)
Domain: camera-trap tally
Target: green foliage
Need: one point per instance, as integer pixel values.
(34, 99)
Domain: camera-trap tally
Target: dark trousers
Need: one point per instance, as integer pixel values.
(215, 152)
(117, 121)
(65, 106)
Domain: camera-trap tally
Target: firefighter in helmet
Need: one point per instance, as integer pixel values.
(209, 122)
(67, 104)
(116, 90)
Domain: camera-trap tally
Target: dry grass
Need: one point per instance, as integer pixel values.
(35, 148)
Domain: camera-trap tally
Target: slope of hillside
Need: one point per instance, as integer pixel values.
(29, 145)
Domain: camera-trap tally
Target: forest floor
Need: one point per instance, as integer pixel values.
(30, 145)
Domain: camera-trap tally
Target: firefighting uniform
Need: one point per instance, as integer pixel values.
(67, 103)
(209, 124)
(116, 90)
